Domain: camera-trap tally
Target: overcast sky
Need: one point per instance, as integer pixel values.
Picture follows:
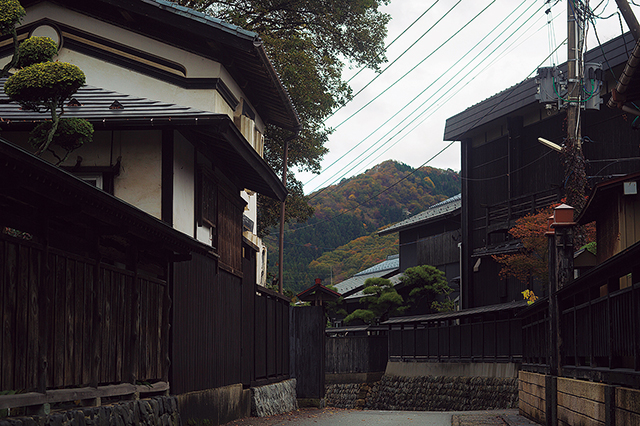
(503, 45)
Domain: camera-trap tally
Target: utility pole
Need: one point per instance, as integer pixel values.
(574, 164)
(574, 65)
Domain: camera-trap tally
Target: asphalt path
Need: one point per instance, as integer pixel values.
(339, 417)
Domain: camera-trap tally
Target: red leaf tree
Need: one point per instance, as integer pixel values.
(532, 260)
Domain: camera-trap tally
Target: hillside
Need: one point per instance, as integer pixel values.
(353, 210)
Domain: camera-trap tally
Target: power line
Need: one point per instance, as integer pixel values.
(387, 48)
(510, 37)
(406, 105)
(416, 66)
(379, 193)
(432, 96)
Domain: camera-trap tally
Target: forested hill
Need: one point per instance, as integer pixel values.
(357, 207)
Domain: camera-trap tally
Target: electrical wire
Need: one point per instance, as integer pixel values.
(416, 66)
(379, 193)
(422, 92)
(390, 44)
(407, 50)
(468, 64)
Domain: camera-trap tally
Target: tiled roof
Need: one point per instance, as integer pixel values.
(395, 280)
(379, 270)
(235, 48)
(443, 208)
(514, 305)
(220, 139)
(96, 104)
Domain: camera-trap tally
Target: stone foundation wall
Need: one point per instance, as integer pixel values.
(532, 391)
(158, 411)
(352, 395)
(577, 402)
(427, 393)
(274, 399)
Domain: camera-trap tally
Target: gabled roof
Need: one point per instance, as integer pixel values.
(598, 197)
(611, 54)
(215, 134)
(240, 51)
(380, 270)
(446, 208)
(318, 292)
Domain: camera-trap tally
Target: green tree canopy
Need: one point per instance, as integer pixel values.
(309, 43)
(382, 301)
(423, 284)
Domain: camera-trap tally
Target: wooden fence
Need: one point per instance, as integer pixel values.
(598, 326)
(307, 350)
(483, 341)
(485, 334)
(71, 321)
(356, 354)
(225, 329)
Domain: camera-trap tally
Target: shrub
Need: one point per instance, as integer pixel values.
(11, 12)
(44, 84)
(36, 49)
(71, 133)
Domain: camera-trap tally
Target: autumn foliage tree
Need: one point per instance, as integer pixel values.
(533, 258)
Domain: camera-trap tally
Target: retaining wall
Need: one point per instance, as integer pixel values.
(547, 399)
(158, 411)
(427, 393)
(274, 399)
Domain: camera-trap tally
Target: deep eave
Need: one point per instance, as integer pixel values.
(59, 191)
(240, 51)
(594, 204)
(215, 134)
(464, 313)
(463, 125)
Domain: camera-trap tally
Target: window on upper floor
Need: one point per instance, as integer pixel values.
(207, 202)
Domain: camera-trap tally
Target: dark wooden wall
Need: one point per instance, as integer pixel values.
(225, 330)
(206, 334)
(356, 354)
(71, 321)
(513, 175)
(307, 350)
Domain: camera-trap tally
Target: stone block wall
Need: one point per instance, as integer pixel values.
(531, 395)
(627, 406)
(427, 393)
(580, 402)
(274, 399)
(353, 395)
(577, 402)
(158, 411)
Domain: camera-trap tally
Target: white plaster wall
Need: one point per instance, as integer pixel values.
(115, 78)
(140, 177)
(184, 187)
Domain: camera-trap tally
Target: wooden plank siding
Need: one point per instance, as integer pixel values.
(225, 329)
(356, 354)
(438, 250)
(85, 317)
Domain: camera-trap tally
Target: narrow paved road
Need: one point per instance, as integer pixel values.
(338, 417)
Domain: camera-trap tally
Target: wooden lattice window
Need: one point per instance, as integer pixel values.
(208, 198)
